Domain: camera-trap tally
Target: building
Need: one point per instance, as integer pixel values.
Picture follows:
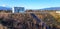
(57, 11)
(18, 9)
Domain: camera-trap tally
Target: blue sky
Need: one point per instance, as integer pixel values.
(30, 4)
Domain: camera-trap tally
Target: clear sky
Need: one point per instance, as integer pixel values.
(30, 4)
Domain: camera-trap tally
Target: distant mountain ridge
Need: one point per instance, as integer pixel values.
(52, 8)
(5, 8)
(9, 8)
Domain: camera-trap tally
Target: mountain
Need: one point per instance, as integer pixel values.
(52, 8)
(5, 8)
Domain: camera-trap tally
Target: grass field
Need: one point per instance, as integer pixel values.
(50, 18)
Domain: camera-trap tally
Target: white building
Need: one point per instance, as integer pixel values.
(18, 9)
(57, 11)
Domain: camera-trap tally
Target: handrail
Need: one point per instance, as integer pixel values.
(40, 21)
(36, 18)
